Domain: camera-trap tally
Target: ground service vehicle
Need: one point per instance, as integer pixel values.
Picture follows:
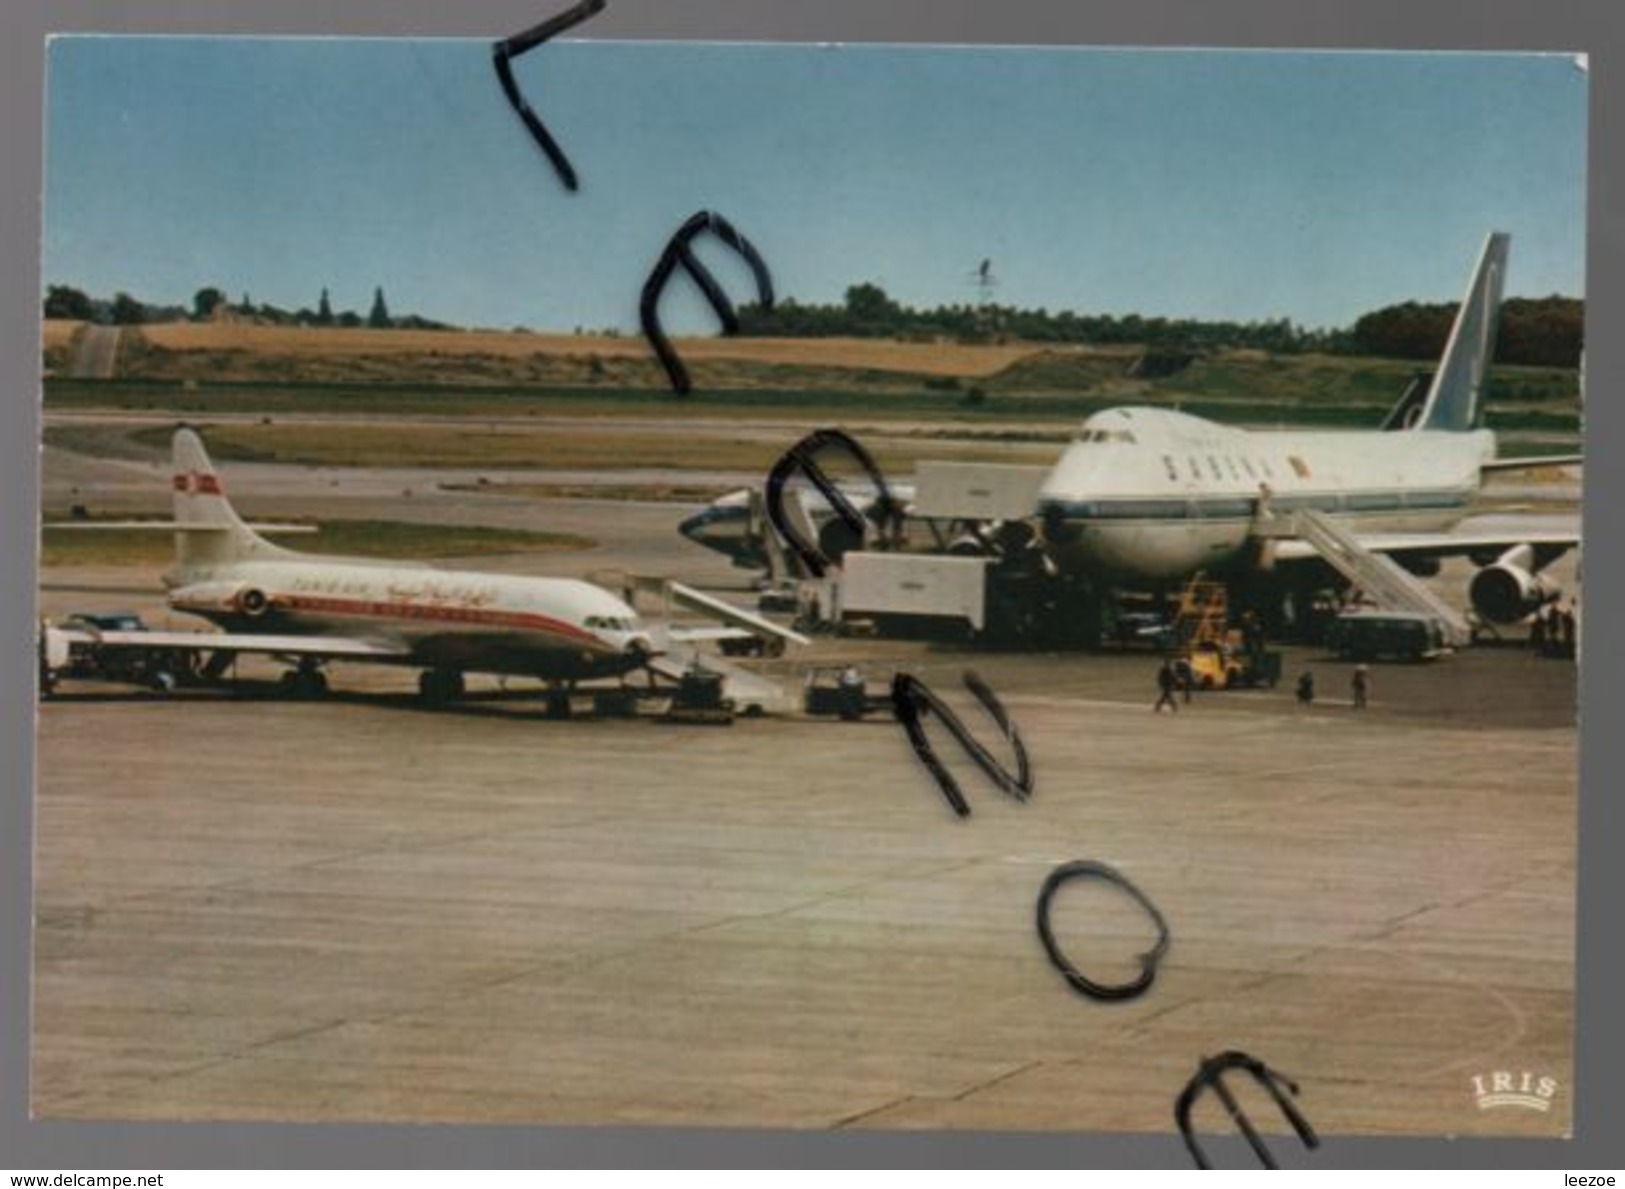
(1368, 634)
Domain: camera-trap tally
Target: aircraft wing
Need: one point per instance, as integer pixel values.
(1533, 463)
(1452, 544)
(314, 646)
(678, 633)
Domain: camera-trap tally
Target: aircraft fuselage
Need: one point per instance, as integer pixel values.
(543, 627)
(1147, 494)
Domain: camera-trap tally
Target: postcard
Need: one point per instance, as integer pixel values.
(815, 587)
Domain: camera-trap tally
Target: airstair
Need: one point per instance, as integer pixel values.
(1379, 578)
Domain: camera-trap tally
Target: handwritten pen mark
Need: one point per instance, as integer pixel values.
(1085, 868)
(678, 253)
(803, 458)
(1210, 1073)
(502, 55)
(912, 699)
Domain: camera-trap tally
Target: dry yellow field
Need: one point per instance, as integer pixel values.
(57, 331)
(939, 359)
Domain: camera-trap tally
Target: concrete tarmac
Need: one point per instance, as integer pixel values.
(358, 910)
(257, 909)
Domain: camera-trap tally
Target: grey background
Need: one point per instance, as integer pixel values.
(1562, 25)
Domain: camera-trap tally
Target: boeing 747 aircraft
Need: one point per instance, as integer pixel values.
(1144, 498)
(1152, 496)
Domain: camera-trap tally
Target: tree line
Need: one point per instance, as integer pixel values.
(1541, 332)
(208, 303)
(1544, 332)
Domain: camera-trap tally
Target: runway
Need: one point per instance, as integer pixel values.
(359, 910)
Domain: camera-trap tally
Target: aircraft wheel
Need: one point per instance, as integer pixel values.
(305, 683)
(440, 686)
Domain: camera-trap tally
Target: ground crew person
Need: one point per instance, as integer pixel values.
(1362, 685)
(1306, 688)
(1187, 679)
(1167, 682)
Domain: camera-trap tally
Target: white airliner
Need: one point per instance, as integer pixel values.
(1152, 496)
(308, 609)
(1146, 497)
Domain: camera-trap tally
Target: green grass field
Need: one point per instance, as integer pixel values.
(709, 447)
(347, 538)
(1238, 388)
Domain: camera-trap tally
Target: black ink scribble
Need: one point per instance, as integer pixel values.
(677, 253)
(1085, 868)
(802, 458)
(912, 699)
(502, 55)
(1211, 1074)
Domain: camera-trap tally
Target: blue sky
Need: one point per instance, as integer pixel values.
(1312, 186)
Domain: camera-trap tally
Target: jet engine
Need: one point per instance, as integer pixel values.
(252, 602)
(218, 597)
(1510, 588)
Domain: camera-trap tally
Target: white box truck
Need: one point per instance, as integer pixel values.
(925, 589)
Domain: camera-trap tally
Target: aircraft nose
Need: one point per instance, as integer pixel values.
(719, 522)
(693, 527)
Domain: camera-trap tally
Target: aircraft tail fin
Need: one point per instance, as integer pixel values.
(1456, 398)
(214, 533)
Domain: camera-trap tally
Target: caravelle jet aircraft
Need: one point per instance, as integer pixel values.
(308, 610)
(1147, 497)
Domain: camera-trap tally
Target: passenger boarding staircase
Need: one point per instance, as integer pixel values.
(1378, 577)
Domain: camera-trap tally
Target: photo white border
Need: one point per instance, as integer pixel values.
(1559, 25)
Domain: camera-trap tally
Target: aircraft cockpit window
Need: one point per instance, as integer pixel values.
(1247, 465)
(1196, 467)
(1168, 465)
(1213, 467)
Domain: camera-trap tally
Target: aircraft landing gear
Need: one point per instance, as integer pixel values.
(439, 687)
(306, 681)
(558, 703)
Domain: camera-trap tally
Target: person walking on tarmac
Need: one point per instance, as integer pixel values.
(1361, 683)
(1167, 682)
(1306, 689)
